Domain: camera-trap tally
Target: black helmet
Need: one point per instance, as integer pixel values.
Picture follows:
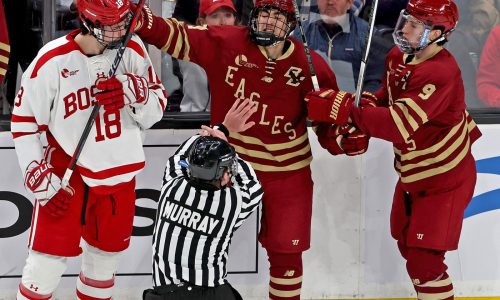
(209, 157)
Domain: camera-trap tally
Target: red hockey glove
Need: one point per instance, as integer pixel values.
(145, 20)
(345, 139)
(355, 142)
(59, 204)
(46, 187)
(329, 106)
(330, 137)
(368, 100)
(121, 90)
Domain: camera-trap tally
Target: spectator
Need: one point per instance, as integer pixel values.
(207, 181)
(308, 10)
(188, 10)
(357, 7)
(478, 17)
(66, 16)
(341, 36)
(488, 76)
(193, 94)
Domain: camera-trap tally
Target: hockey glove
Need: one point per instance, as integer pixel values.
(46, 187)
(368, 100)
(355, 142)
(121, 90)
(342, 139)
(329, 106)
(145, 20)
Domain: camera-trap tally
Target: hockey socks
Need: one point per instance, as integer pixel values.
(91, 289)
(286, 276)
(441, 288)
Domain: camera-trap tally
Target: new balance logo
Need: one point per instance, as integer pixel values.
(420, 236)
(295, 242)
(289, 273)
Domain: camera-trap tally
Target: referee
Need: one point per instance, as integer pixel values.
(207, 193)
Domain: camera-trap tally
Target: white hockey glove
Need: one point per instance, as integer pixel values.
(121, 90)
(46, 187)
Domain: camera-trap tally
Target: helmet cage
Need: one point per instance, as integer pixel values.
(106, 20)
(278, 32)
(108, 35)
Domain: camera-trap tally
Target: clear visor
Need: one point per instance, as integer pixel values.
(410, 34)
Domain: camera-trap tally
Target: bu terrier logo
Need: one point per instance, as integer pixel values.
(294, 74)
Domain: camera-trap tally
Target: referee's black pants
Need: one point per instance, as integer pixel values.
(192, 292)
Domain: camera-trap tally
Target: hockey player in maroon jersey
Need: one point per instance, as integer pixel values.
(4, 45)
(261, 63)
(421, 110)
(57, 95)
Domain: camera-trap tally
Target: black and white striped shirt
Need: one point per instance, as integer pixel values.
(194, 226)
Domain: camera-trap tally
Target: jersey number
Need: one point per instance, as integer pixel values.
(112, 125)
(19, 97)
(427, 91)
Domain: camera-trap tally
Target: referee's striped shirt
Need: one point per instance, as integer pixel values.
(194, 226)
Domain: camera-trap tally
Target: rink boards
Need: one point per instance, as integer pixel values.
(352, 253)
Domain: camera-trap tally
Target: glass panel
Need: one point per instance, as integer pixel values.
(66, 17)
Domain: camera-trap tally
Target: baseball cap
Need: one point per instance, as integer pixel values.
(209, 6)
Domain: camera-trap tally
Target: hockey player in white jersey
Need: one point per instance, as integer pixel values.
(57, 94)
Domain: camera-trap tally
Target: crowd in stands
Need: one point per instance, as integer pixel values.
(336, 29)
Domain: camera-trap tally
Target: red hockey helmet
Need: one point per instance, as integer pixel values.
(415, 23)
(98, 15)
(435, 12)
(268, 38)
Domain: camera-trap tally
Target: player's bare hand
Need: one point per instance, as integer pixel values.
(213, 132)
(236, 119)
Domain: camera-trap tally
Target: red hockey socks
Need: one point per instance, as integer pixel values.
(441, 288)
(91, 289)
(286, 276)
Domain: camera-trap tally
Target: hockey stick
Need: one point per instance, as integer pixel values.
(314, 78)
(364, 59)
(95, 109)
